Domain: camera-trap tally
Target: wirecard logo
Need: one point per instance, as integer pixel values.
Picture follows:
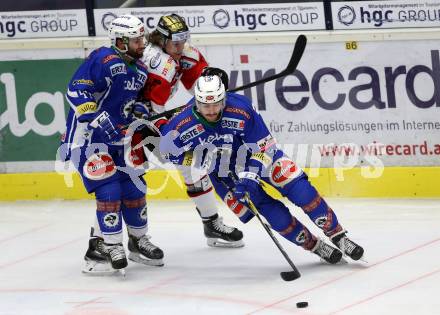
(346, 15)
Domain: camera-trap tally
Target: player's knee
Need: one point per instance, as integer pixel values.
(302, 193)
(276, 213)
(283, 172)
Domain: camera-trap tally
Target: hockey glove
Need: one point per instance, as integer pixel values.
(140, 111)
(248, 182)
(106, 127)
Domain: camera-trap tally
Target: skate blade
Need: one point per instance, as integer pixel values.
(362, 259)
(216, 242)
(93, 268)
(140, 259)
(343, 261)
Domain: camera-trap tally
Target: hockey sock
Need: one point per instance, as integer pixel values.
(109, 218)
(280, 219)
(304, 195)
(135, 216)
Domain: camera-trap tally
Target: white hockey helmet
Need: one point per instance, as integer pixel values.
(125, 27)
(209, 90)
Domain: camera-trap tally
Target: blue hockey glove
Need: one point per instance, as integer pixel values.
(248, 182)
(107, 129)
(140, 110)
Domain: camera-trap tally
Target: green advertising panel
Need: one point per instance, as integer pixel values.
(33, 108)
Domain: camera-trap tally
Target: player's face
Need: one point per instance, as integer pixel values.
(211, 112)
(136, 47)
(175, 48)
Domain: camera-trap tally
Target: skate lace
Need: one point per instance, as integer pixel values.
(116, 252)
(346, 245)
(219, 226)
(145, 244)
(324, 250)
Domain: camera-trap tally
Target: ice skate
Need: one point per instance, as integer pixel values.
(348, 247)
(144, 252)
(220, 235)
(104, 259)
(327, 253)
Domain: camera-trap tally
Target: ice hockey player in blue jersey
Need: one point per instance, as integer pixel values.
(221, 133)
(103, 97)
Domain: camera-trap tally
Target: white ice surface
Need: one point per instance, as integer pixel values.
(43, 243)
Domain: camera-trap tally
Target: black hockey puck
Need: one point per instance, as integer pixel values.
(302, 304)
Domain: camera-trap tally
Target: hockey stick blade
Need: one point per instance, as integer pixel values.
(285, 275)
(298, 50)
(289, 275)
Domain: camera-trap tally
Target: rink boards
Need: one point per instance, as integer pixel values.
(395, 182)
(348, 107)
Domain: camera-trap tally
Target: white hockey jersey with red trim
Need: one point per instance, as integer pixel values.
(164, 73)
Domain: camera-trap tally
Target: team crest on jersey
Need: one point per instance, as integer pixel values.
(155, 61)
(233, 123)
(192, 132)
(118, 68)
(99, 166)
(283, 171)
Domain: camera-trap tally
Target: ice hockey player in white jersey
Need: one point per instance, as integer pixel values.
(170, 58)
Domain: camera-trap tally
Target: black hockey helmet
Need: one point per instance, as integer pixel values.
(173, 27)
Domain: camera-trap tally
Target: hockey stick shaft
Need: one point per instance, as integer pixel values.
(297, 53)
(272, 236)
(288, 276)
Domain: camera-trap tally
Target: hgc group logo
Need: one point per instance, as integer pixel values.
(221, 18)
(346, 15)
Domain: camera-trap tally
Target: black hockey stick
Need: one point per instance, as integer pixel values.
(298, 50)
(285, 275)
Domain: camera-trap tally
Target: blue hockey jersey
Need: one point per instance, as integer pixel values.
(104, 82)
(236, 142)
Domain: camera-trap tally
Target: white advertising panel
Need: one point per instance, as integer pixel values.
(385, 14)
(230, 18)
(359, 107)
(47, 23)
